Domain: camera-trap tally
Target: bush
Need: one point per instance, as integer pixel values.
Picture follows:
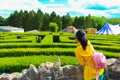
(13, 64)
(52, 45)
(53, 27)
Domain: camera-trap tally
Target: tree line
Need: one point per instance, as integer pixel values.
(30, 20)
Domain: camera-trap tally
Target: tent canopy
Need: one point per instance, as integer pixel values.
(109, 29)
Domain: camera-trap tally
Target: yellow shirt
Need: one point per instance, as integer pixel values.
(85, 58)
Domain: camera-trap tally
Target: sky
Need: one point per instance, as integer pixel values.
(106, 8)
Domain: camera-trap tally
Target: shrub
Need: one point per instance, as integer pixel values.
(53, 27)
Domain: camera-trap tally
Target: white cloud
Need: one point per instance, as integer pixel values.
(57, 10)
(54, 5)
(82, 3)
(20, 4)
(78, 6)
(97, 13)
(10, 6)
(109, 3)
(51, 0)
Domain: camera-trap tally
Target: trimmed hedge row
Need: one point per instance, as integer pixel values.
(16, 41)
(105, 43)
(36, 51)
(65, 39)
(13, 64)
(52, 44)
(47, 51)
(37, 45)
(47, 39)
(107, 48)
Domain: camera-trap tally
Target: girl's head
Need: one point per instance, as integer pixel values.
(81, 38)
(80, 34)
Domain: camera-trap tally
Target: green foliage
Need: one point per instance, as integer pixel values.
(88, 21)
(114, 21)
(38, 20)
(2, 21)
(15, 41)
(36, 51)
(47, 39)
(79, 22)
(14, 64)
(37, 45)
(65, 39)
(66, 21)
(98, 22)
(18, 53)
(53, 27)
(46, 21)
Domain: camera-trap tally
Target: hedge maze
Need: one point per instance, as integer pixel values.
(19, 50)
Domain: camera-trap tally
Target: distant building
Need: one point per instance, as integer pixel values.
(70, 29)
(91, 30)
(10, 29)
(33, 31)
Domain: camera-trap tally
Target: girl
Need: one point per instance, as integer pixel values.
(84, 52)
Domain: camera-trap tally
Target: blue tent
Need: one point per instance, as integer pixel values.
(109, 29)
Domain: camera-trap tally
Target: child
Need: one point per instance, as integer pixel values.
(84, 53)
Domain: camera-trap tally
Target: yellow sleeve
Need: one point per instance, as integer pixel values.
(92, 47)
(80, 58)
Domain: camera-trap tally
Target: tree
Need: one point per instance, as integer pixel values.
(88, 21)
(20, 18)
(39, 20)
(46, 21)
(57, 19)
(66, 21)
(79, 22)
(3, 21)
(31, 20)
(94, 24)
(53, 17)
(13, 19)
(25, 20)
(75, 22)
(99, 22)
(114, 21)
(59, 22)
(69, 20)
(82, 22)
(53, 27)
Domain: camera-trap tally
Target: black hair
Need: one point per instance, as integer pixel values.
(81, 36)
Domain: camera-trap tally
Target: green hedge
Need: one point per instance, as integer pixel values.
(14, 64)
(65, 39)
(46, 51)
(107, 48)
(37, 45)
(36, 51)
(54, 45)
(47, 39)
(16, 41)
